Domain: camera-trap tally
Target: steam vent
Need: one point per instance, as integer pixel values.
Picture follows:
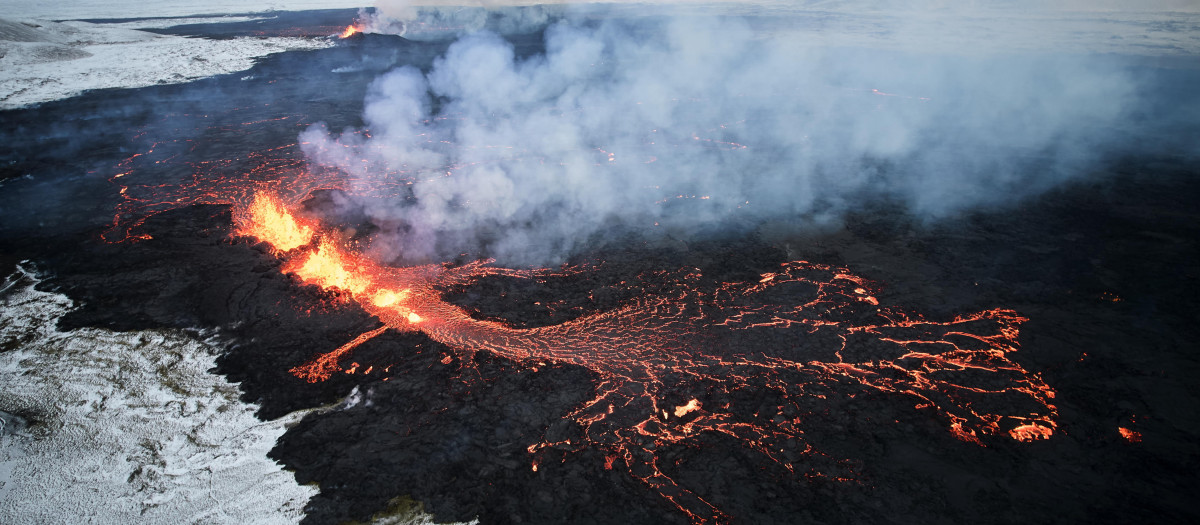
(664, 263)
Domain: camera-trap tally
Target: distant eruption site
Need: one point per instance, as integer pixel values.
(711, 342)
(351, 30)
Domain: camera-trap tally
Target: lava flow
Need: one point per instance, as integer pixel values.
(791, 334)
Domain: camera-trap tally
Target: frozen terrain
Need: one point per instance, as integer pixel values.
(107, 427)
(42, 61)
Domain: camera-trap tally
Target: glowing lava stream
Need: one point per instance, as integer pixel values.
(678, 336)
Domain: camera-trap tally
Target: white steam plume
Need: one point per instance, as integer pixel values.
(458, 17)
(697, 121)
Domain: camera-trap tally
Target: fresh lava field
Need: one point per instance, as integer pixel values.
(1031, 362)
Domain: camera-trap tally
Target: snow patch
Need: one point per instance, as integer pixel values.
(105, 427)
(41, 61)
(163, 23)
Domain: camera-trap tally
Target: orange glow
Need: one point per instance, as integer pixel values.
(413, 318)
(386, 298)
(682, 410)
(350, 31)
(268, 222)
(969, 436)
(325, 365)
(327, 268)
(1030, 432)
(1130, 435)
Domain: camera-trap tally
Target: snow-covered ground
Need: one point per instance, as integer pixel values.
(107, 427)
(42, 61)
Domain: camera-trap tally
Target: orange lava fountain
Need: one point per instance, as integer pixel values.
(686, 331)
(350, 31)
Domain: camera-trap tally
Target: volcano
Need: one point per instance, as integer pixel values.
(786, 297)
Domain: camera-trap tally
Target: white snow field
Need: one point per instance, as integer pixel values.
(108, 427)
(42, 61)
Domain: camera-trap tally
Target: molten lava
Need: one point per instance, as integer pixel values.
(1031, 432)
(1131, 436)
(690, 407)
(267, 221)
(329, 268)
(640, 349)
(350, 31)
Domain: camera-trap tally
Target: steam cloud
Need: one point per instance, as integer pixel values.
(400, 17)
(696, 121)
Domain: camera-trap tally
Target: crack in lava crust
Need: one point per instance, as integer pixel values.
(692, 338)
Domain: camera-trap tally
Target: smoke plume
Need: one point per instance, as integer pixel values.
(681, 122)
(432, 22)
